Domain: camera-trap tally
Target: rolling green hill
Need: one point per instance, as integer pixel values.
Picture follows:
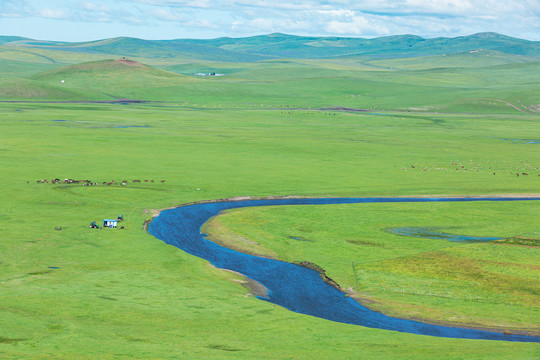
(92, 81)
(296, 84)
(283, 46)
(469, 59)
(478, 73)
(8, 39)
(105, 68)
(133, 47)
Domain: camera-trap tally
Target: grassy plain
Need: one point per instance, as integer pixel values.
(490, 285)
(121, 294)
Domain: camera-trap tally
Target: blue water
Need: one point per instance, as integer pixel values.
(112, 126)
(433, 233)
(295, 287)
(524, 141)
(131, 126)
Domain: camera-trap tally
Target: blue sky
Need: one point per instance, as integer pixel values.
(173, 19)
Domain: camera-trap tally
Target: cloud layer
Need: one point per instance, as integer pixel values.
(209, 18)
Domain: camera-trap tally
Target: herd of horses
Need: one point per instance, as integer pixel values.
(91, 183)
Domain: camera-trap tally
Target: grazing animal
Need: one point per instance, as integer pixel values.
(162, 181)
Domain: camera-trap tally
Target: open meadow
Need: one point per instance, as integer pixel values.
(459, 125)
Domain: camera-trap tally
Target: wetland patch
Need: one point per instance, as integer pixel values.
(437, 234)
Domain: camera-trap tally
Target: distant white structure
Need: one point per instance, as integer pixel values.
(62, 81)
(110, 223)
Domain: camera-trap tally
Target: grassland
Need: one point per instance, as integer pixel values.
(475, 284)
(121, 294)
(294, 84)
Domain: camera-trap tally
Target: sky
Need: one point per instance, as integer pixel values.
(76, 20)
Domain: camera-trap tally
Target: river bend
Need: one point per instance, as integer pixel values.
(295, 287)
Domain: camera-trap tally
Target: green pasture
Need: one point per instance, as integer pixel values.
(475, 83)
(123, 294)
(265, 129)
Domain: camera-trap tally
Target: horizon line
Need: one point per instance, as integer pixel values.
(276, 34)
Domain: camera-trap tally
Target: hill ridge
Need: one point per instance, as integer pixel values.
(278, 45)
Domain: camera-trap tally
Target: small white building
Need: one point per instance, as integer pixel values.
(110, 223)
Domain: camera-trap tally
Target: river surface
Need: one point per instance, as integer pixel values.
(295, 287)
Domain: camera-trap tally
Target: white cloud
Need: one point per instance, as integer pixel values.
(339, 13)
(95, 7)
(274, 5)
(347, 22)
(178, 3)
(202, 23)
(427, 18)
(102, 12)
(52, 13)
(15, 8)
(161, 14)
(439, 7)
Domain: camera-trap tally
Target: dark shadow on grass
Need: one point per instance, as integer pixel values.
(222, 347)
(4, 340)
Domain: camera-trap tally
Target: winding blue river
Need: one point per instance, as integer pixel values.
(295, 287)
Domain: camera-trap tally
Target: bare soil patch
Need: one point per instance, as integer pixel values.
(129, 62)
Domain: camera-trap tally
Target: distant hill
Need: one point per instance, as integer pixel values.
(8, 39)
(469, 59)
(105, 68)
(132, 47)
(482, 72)
(273, 46)
(96, 80)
